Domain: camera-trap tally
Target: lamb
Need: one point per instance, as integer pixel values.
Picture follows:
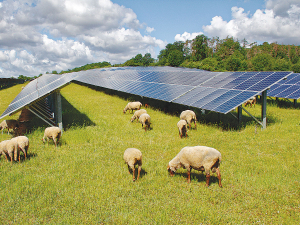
(132, 106)
(251, 101)
(9, 124)
(200, 158)
(182, 127)
(145, 120)
(189, 116)
(137, 115)
(52, 132)
(10, 148)
(23, 144)
(133, 156)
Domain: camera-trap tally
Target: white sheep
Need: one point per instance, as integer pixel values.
(132, 157)
(145, 120)
(23, 144)
(9, 124)
(54, 133)
(132, 106)
(10, 148)
(189, 116)
(137, 115)
(182, 127)
(200, 158)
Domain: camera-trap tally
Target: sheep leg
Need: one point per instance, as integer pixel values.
(139, 171)
(54, 140)
(189, 176)
(133, 172)
(207, 179)
(219, 176)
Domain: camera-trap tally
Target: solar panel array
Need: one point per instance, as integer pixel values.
(36, 89)
(288, 88)
(214, 91)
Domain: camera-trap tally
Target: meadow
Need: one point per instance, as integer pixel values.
(85, 180)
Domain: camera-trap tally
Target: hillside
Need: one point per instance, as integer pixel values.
(85, 180)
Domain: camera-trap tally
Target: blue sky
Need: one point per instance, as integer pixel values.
(38, 36)
(171, 17)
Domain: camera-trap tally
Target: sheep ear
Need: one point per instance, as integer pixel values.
(168, 167)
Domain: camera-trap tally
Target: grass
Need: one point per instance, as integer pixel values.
(85, 180)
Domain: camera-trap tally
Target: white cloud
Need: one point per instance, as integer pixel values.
(149, 29)
(263, 25)
(186, 36)
(39, 36)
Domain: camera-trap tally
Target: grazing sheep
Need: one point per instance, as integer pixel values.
(251, 101)
(182, 127)
(23, 144)
(132, 106)
(10, 148)
(9, 124)
(133, 156)
(189, 116)
(137, 115)
(52, 132)
(145, 120)
(200, 158)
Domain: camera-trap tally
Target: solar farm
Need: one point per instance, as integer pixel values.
(85, 181)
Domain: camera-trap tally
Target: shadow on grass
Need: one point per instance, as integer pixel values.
(226, 122)
(142, 173)
(200, 177)
(73, 117)
(28, 156)
(283, 103)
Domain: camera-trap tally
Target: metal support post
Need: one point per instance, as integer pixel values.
(239, 114)
(295, 103)
(58, 109)
(264, 109)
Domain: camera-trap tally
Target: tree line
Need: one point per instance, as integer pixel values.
(212, 54)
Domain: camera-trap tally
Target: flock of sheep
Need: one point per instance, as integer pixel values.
(200, 158)
(11, 148)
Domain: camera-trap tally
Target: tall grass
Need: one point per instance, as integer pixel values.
(85, 180)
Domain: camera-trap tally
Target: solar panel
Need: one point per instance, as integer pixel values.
(288, 88)
(215, 91)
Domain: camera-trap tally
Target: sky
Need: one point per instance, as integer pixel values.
(39, 36)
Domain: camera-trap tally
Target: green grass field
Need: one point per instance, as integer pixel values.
(85, 180)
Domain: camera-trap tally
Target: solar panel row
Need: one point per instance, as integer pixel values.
(215, 91)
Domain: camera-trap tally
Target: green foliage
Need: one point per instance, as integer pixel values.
(262, 62)
(209, 64)
(139, 60)
(233, 63)
(88, 67)
(175, 58)
(85, 180)
(281, 64)
(200, 48)
(296, 68)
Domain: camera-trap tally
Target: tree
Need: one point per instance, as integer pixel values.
(175, 58)
(147, 59)
(262, 62)
(199, 48)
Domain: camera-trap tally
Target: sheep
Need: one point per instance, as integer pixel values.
(23, 144)
(182, 127)
(200, 158)
(189, 116)
(9, 124)
(251, 101)
(132, 106)
(133, 156)
(10, 148)
(52, 132)
(145, 120)
(137, 115)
